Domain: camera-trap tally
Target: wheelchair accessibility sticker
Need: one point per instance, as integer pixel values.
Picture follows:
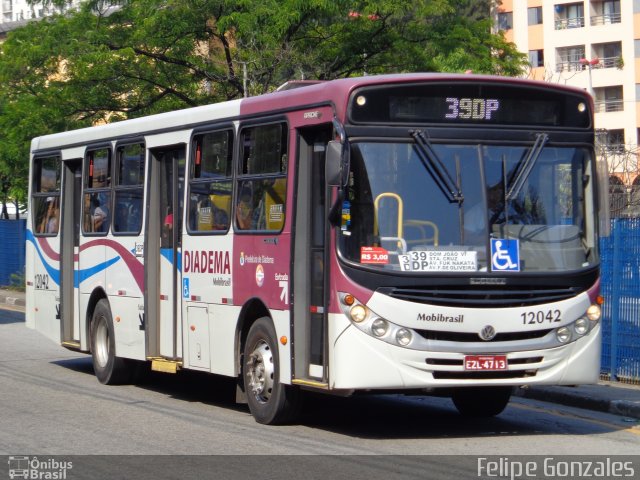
(505, 255)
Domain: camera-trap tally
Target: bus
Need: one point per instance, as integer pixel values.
(411, 233)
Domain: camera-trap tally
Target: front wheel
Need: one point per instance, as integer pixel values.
(481, 401)
(270, 402)
(109, 369)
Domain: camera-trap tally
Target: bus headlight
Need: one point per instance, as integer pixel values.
(581, 326)
(379, 327)
(358, 313)
(374, 325)
(563, 334)
(594, 312)
(404, 337)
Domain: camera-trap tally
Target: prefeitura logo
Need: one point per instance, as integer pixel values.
(34, 468)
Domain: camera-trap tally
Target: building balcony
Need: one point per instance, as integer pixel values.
(614, 148)
(610, 62)
(607, 19)
(570, 66)
(577, 65)
(565, 23)
(602, 106)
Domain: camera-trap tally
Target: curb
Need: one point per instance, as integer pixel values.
(627, 408)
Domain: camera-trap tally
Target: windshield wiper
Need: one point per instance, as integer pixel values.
(524, 168)
(436, 168)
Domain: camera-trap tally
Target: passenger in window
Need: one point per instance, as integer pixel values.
(49, 222)
(52, 224)
(220, 218)
(167, 230)
(100, 216)
(122, 218)
(244, 211)
(135, 216)
(87, 216)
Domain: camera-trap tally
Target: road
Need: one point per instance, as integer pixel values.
(52, 404)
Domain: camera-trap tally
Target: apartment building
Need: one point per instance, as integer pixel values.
(595, 45)
(17, 10)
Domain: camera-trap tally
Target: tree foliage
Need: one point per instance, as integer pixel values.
(102, 63)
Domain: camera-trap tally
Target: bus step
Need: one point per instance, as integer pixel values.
(165, 366)
(71, 345)
(310, 383)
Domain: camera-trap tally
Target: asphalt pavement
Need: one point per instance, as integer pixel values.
(611, 397)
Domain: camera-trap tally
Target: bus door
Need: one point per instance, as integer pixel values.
(70, 251)
(163, 253)
(310, 261)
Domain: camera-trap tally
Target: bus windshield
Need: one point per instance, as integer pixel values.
(436, 208)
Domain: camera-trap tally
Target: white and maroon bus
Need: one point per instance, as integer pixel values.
(420, 233)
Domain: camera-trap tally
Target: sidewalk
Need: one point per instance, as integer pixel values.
(12, 299)
(610, 397)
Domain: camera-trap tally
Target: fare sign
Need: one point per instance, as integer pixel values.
(374, 255)
(439, 261)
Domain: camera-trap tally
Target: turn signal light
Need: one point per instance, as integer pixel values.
(348, 299)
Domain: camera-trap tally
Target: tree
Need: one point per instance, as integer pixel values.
(102, 64)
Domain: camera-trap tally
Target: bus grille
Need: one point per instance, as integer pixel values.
(473, 296)
(473, 337)
(454, 374)
(484, 375)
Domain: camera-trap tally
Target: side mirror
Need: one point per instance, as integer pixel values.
(333, 164)
(337, 164)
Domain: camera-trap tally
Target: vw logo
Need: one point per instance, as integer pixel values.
(487, 333)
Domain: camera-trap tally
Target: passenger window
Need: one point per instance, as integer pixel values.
(96, 216)
(96, 210)
(129, 189)
(46, 196)
(262, 182)
(99, 175)
(210, 183)
(264, 150)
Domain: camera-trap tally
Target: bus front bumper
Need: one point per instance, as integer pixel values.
(361, 362)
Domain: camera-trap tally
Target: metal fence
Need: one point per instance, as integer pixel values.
(621, 289)
(12, 235)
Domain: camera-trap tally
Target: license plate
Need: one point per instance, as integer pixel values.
(485, 362)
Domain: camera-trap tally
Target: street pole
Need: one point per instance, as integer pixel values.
(589, 64)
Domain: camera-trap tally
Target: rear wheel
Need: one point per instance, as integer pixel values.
(481, 401)
(109, 369)
(270, 402)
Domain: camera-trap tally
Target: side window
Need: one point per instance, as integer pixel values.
(210, 182)
(128, 189)
(96, 216)
(262, 179)
(45, 199)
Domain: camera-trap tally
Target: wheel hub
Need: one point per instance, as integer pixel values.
(260, 372)
(102, 343)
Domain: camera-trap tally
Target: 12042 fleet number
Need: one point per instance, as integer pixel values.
(538, 317)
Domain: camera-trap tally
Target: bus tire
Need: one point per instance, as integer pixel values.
(270, 402)
(109, 369)
(481, 401)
